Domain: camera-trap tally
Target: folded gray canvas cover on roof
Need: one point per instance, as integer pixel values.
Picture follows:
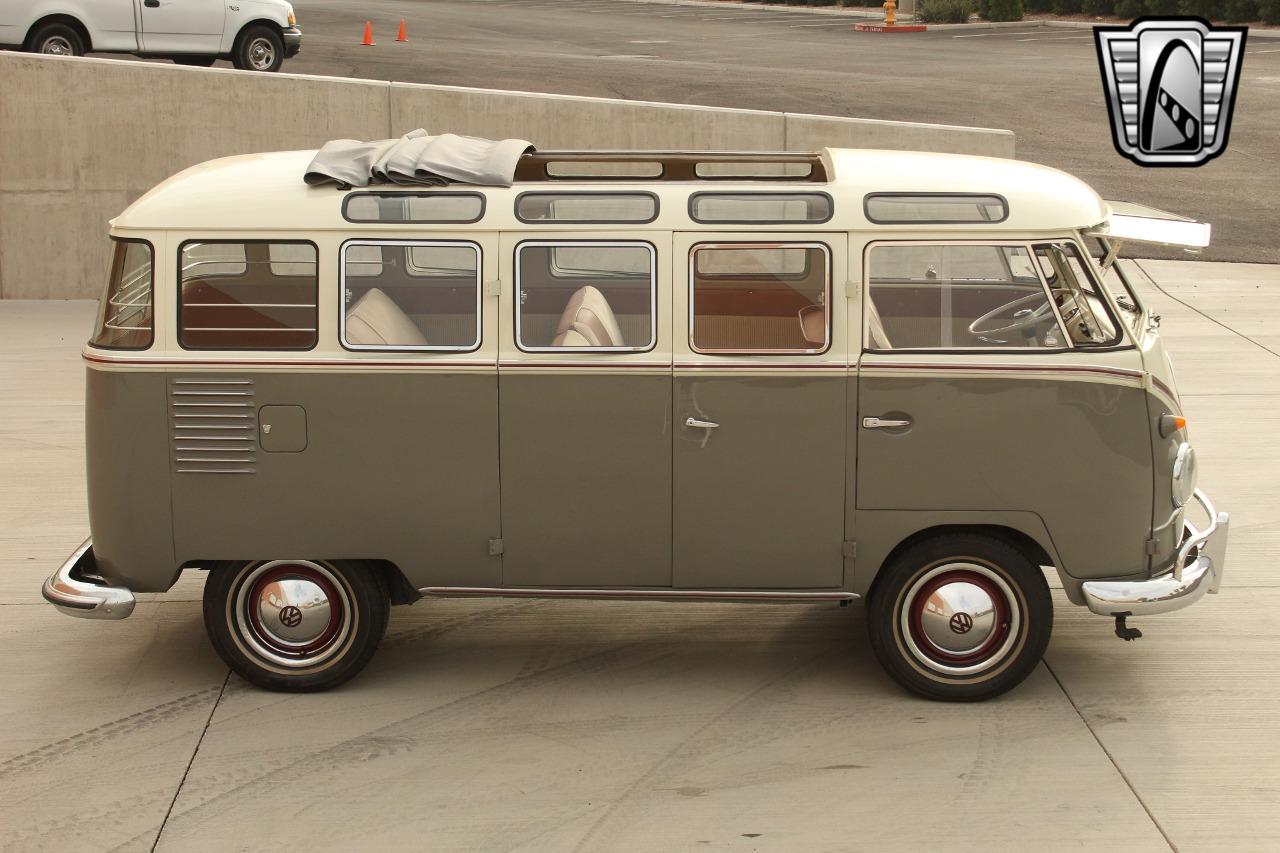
(418, 158)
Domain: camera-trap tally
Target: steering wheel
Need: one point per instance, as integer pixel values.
(1022, 318)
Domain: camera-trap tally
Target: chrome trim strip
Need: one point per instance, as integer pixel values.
(1197, 570)
(76, 591)
(655, 594)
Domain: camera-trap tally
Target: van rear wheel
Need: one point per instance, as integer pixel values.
(960, 617)
(296, 625)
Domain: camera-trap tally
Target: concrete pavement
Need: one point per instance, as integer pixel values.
(525, 725)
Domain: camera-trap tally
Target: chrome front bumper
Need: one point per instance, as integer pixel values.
(1197, 569)
(77, 591)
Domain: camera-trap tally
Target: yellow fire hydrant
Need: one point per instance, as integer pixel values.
(890, 8)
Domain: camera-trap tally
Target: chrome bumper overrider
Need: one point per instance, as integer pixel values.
(77, 591)
(1197, 570)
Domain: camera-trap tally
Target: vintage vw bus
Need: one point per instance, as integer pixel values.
(682, 376)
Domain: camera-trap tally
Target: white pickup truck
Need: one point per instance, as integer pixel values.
(256, 35)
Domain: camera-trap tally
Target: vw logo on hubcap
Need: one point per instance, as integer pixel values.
(961, 623)
(291, 617)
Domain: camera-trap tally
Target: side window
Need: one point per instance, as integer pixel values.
(404, 295)
(957, 296)
(247, 295)
(1083, 309)
(125, 314)
(759, 298)
(598, 296)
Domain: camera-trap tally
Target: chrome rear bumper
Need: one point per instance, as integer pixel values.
(77, 591)
(1197, 569)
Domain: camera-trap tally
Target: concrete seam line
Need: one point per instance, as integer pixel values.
(1111, 758)
(1188, 306)
(190, 762)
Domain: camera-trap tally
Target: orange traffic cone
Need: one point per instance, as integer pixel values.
(368, 34)
(402, 35)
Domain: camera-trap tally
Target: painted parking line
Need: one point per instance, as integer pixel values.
(988, 35)
(1252, 52)
(826, 24)
(1058, 38)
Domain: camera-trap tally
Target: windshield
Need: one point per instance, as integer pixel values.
(1083, 309)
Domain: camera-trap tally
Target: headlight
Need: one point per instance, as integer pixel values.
(1184, 474)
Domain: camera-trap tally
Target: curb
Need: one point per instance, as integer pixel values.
(1254, 32)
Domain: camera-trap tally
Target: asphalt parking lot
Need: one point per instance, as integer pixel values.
(590, 726)
(1041, 83)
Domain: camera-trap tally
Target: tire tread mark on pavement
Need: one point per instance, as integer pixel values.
(385, 740)
(658, 766)
(1124, 776)
(106, 731)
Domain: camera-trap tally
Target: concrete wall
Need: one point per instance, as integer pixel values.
(81, 139)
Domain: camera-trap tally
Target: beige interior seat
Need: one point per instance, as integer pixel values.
(376, 320)
(813, 325)
(588, 321)
(875, 326)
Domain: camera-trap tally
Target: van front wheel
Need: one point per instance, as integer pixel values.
(960, 617)
(296, 625)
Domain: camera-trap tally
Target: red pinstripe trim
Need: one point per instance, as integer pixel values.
(354, 362)
(611, 365)
(1013, 368)
(1165, 388)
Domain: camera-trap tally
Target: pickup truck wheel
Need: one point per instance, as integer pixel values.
(960, 617)
(57, 40)
(296, 625)
(197, 61)
(258, 48)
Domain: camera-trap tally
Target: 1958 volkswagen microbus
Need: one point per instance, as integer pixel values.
(683, 376)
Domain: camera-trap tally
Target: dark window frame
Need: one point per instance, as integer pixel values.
(552, 243)
(407, 244)
(1028, 243)
(730, 244)
(867, 199)
(693, 199)
(178, 301)
(100, 324)
(346, 202)
(657, 207)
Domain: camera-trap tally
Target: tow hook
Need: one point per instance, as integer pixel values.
(1123, 631)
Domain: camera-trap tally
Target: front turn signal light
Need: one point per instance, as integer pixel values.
(1169, 424)
(293, 22)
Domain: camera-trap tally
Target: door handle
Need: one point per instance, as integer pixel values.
(885, 423)
(699, 424)
(151, 4)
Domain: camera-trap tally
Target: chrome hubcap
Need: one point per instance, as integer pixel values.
(294, 613)
(959, 618)
(261, 53)
(57, 46)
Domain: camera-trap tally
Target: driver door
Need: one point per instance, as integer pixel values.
(973, 399)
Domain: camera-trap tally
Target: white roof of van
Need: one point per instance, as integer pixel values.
(256, 192)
